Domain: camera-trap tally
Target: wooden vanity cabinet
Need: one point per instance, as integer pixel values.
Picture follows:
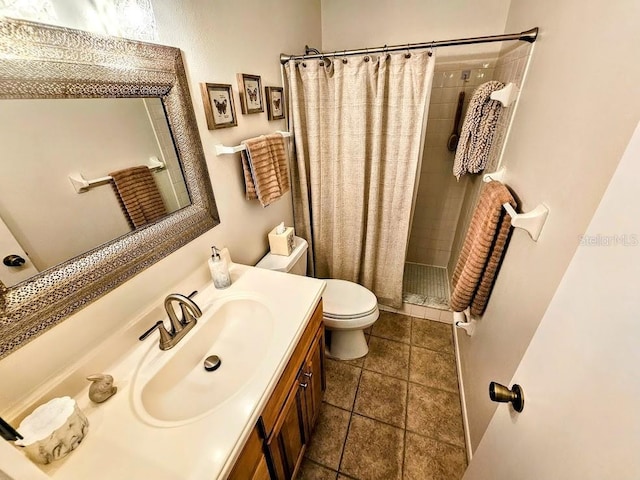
(285, 427)
(252, 462)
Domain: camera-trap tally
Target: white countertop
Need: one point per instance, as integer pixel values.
(120, 444)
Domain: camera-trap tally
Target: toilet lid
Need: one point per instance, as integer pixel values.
(342, 299)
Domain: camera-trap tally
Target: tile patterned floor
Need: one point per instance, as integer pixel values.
(394, 414)
(426, 285)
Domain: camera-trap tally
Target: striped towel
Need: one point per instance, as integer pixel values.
(264, 164)
(482, 251)
(478, 128)
(138, 195)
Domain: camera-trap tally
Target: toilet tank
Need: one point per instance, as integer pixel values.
(295, 263)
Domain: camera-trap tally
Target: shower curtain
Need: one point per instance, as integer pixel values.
(357, 125)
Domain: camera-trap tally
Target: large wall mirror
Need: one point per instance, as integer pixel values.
(104, 172)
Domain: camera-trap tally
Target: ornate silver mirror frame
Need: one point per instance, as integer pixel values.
(42, 61)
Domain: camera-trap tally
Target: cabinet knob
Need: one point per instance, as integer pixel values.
(304, 384)
(308, 374)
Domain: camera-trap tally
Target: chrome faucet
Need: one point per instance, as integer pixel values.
(179, 326)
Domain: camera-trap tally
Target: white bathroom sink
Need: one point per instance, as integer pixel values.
(172, 387)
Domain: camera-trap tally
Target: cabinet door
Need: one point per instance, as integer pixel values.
(249, 463)
(288, 440)
(313, 381)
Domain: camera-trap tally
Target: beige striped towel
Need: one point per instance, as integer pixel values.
(482, 250)
(264, 164)
(138, 195)
(477, 132)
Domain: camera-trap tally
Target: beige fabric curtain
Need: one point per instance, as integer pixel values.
(357, 128)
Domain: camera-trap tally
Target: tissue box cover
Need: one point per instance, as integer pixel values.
(281, 243)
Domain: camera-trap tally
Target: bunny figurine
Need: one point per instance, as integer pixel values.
(102, 387)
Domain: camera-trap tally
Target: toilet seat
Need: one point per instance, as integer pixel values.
(348, 306)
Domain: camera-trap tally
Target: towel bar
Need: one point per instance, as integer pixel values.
(507, 95)
(532, 222)
(223, 150)
(81, 184)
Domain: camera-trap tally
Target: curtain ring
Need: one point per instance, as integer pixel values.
(385, 52)
(407, 55)
(303, 61)
(430, 53)
(366, 57)
(344, 57)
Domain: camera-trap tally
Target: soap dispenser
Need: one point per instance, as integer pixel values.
(219, 269)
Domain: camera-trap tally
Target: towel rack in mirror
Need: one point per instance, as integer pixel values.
(223, 150)
(81, 184)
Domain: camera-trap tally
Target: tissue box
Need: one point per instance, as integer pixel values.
(281, 243)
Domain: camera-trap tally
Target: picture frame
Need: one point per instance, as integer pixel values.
(274, 96)
(250, 87)
(218, 105)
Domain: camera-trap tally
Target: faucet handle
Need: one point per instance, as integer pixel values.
(165, 337)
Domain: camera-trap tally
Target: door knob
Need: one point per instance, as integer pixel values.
(13, 261)
(500, 393)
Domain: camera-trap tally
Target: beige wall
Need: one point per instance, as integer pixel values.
(363, 23)
(218, 40)
(575, 117)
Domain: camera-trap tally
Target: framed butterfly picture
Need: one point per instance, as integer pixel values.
(250, 87)
(275, 102)
(218, 105)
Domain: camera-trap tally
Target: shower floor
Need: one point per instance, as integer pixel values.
(426, 285)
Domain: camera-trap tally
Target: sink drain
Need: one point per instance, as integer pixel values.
(212, 363)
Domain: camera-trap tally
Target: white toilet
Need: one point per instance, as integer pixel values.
(349, 308)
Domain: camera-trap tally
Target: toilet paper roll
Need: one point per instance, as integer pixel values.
(53, 430)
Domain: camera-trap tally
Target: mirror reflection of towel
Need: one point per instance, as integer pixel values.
(138, 195)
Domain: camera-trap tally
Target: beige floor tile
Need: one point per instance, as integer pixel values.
(393, 326)
(358, 362)
(312, 471)
(373, 450)
(428, 459)
(388, 357)
(433, 369)
(382, 397)
(431, 334)
(328, 437)
(342, 383)
(435, 414)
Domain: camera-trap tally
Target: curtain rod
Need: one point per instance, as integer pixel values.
(526, 36)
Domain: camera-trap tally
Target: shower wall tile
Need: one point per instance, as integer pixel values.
(440, 196)
(510, 67)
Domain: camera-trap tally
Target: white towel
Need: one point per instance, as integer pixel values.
(478, 128)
